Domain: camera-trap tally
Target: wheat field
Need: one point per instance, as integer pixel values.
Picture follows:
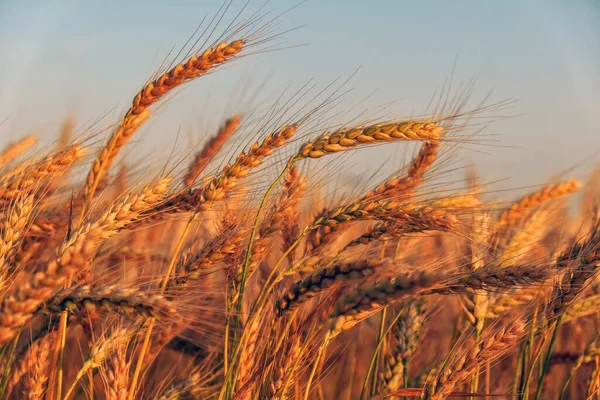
(256, 276)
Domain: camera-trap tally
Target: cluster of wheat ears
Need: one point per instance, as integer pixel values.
(178, 287)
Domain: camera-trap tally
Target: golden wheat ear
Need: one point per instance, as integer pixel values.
(74, 255)
(211, 149)
(347, 139)
(195, 67)
(13, 150)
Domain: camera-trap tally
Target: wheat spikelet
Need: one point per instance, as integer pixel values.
(467, 201)
(286, 366)
(477, 302)
(224, 246)
(35, 379)
(348, 138)
(588, 355)
(34, 289)
(493, 278)
(571, 286)
(525, 238)
(211, 149)
(461, 369)
(565, 357)
(66, 133)
(231, 173)
(363, 302)
(282, 210)
(12, 151)
(294, 187)
(581, 264)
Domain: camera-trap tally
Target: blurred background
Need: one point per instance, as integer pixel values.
(87, 59)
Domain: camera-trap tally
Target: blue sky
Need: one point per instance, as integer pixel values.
(89, 58)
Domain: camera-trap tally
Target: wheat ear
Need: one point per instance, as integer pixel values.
(12, 151)
(323, 279)
(12, 226)
(460, 370)
(33, 367)
(519, 210)
(196, 66)
(406, 333)
(430, 219)
(101, 350)
(110, 299)
(211, 149)
(117, 376)
(402, 187)
(31, 177)
(348, 138)
(400, 213)
(220, 185)
(24, 298)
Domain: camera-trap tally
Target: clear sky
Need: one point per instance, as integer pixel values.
(89, 58)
